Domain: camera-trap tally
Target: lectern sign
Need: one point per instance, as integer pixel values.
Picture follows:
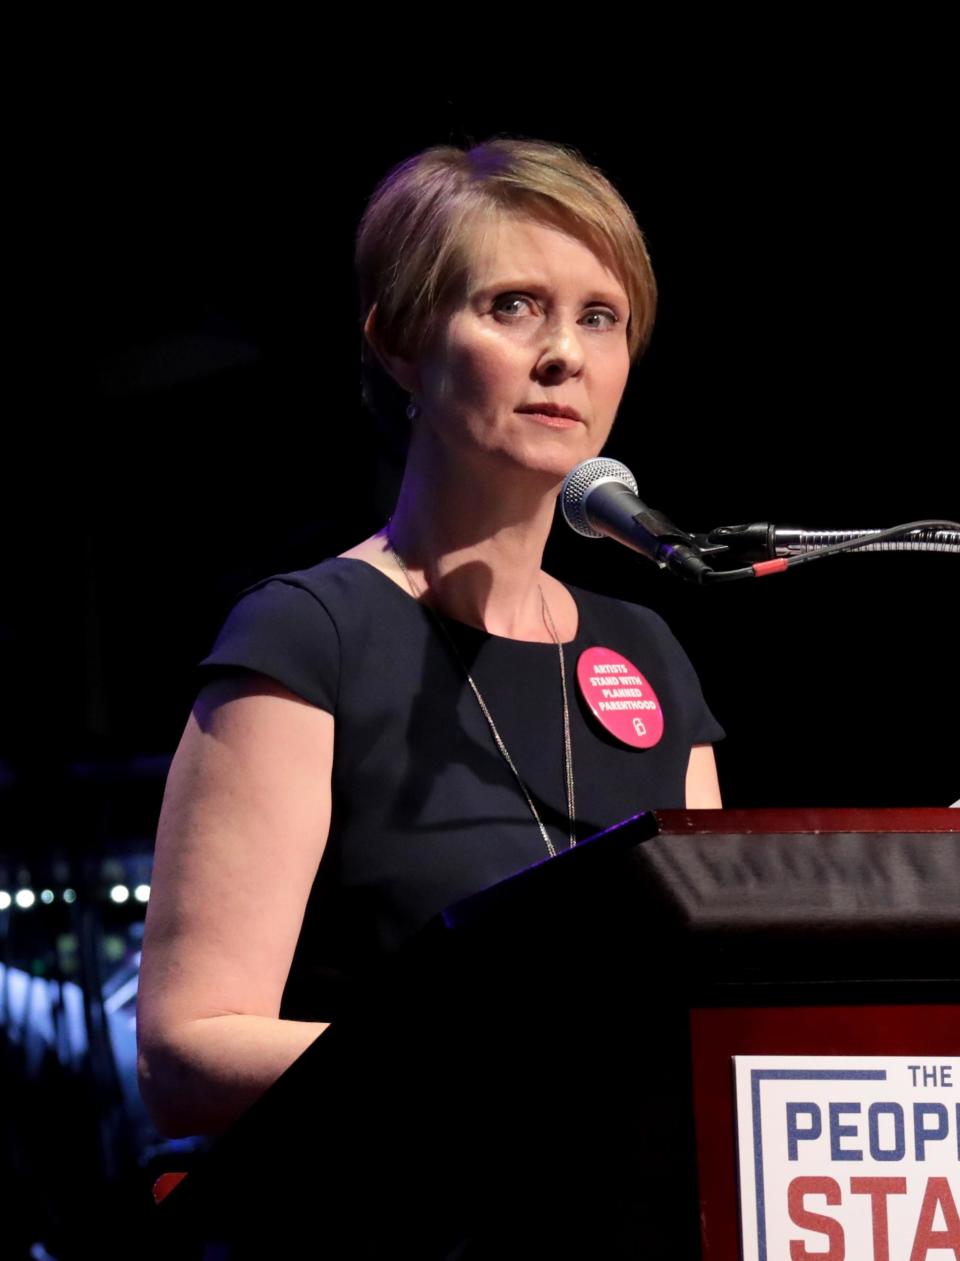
(848, 1159)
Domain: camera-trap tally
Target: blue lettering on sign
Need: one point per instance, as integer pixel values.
(794, 1132)
(874, 1112)
(921, 1135)
(931, 1074)
(886, 1129)
(838, 1131)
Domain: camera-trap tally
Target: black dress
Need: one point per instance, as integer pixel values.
(425, 809)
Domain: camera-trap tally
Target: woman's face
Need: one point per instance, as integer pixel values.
(530, 366)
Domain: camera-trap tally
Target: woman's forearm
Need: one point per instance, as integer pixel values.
(211, 1070)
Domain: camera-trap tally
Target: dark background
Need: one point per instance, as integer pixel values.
(184, 418)
(195, 350)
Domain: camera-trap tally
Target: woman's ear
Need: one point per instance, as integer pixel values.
(403, 371)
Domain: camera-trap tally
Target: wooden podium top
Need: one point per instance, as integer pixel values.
(810, 820)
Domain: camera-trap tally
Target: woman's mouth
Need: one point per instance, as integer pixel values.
(552, 415)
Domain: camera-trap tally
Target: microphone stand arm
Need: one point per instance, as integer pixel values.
(763, 540)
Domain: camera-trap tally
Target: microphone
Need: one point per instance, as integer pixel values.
(599, 498)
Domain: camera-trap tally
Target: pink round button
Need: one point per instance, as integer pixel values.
(620, 697)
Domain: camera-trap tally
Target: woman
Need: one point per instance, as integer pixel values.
(401, 726)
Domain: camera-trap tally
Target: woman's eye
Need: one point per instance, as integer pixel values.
(601, 317)
(515, 305)
(511, 304)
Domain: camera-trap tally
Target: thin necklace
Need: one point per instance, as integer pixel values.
(497, 738)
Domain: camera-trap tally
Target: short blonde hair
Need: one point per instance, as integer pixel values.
(412, 243)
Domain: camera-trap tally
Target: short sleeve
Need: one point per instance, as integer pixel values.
(704, 728)
(707, 730)
(285, 632)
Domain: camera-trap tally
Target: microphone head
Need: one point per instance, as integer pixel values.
(579, 483)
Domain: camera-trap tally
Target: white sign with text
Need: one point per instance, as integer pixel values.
(848, 1158)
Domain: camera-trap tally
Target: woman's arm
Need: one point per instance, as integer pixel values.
(242, 828)
(702, 786)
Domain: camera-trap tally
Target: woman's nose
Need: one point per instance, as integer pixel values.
(562, 353)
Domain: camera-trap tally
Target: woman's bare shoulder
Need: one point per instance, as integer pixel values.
(376, 552)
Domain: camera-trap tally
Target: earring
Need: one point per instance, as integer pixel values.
(413, 410)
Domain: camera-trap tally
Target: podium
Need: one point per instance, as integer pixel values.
(545, 1070)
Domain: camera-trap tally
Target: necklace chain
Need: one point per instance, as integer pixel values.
(497, 738)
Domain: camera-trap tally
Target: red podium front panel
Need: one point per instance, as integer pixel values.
(847, 1024)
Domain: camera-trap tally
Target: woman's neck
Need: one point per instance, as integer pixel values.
(475, 546)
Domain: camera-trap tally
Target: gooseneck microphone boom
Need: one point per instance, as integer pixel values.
(762, 540)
